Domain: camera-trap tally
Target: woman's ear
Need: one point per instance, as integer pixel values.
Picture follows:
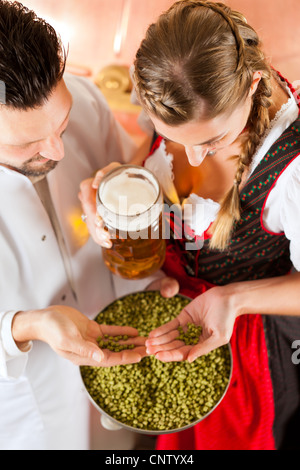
(256, 79)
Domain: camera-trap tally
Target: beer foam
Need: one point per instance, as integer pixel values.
(129, 199)
(124, 195)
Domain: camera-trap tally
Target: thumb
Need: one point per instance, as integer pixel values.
(205, 346)
(97, 355)
(167, 286)
(88, 350)
(100, 173)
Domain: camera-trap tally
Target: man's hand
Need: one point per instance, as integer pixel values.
(87, 197)
(73, 336)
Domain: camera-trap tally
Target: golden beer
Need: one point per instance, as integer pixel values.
(130, 202)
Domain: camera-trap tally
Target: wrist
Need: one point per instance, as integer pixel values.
(238, 298)
(25, 327)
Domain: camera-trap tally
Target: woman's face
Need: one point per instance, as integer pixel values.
(206, 137)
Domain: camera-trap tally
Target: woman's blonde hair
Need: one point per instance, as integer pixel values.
(196, 62)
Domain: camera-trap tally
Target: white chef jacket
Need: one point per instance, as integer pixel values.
(42, 401)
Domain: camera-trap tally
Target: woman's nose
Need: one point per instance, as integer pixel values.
(196, 155)
(53, 149)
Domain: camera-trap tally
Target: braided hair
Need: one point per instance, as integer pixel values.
(197, 61)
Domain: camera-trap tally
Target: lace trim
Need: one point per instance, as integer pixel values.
(169, 159)
(193, 197)
(161, 163)
(199, 212)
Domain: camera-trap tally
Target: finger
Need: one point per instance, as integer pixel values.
(83, 353)
(130, 356)
(137, 341)
(98, 221)
(141, 350)
(164, 347)
(175, 355)
(103, 237)
(116, 330)
(93, 220)
(99, 175)
(87, 194)
(165, 329)
(162, 339)
(181, 320)
(204, 347)
(87, 198)
(169, 287)
(102, 233)
(82, 361)
(84, 187)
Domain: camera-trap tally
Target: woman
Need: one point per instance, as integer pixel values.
(203, 80)
(228, 149)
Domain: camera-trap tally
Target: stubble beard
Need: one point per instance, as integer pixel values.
(28, 169)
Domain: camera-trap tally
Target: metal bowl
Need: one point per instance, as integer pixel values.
(119, 424)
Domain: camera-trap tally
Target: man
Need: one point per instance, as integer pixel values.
(56, 131)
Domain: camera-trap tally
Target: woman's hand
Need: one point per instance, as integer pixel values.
(73, 336)
(87, 197)
(213, 310)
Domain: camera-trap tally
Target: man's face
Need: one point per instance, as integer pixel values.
(31, 141)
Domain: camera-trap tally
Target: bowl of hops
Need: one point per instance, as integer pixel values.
(155, 397)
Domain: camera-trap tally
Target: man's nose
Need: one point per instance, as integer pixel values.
(196, 155)
(53, 149)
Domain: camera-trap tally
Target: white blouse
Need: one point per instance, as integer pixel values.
(282, 209)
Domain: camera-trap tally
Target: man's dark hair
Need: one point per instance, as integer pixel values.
(32, 58)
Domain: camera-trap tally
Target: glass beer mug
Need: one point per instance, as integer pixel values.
(130, 203)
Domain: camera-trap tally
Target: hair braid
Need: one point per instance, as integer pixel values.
(230, 211)
(224, 11)
(157, 101)
(204, 67)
